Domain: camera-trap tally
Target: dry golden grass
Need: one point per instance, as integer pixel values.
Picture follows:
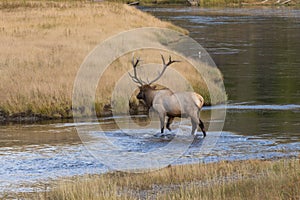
(43, 44)
(259, 180)
(254, 179)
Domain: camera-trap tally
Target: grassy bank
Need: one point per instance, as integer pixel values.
(43, 44)
(253, 179)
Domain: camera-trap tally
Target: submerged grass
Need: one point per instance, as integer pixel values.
(253, 179)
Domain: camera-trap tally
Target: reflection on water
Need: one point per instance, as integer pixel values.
(20, 135)
(35, 153)
(27, 161)
(257, 49)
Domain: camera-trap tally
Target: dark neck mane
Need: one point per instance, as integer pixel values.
(150, 94)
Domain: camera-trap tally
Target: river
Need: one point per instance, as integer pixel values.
(256, 49)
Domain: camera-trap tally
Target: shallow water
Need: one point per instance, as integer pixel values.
(257, 51)
(35, 154)
(255, 48)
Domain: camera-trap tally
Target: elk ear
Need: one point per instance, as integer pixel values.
(153, 87)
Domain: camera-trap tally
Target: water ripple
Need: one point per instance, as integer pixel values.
(254, 107)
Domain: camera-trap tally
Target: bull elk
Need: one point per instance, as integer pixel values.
(168, 103)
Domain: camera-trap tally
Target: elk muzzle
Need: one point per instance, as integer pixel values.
(140, 95)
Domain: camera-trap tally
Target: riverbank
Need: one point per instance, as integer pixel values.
(251, 179)
(43, 44)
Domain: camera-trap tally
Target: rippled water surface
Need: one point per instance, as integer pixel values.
(35, 154)
(257, 51)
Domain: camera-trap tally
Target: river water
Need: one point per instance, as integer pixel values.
(257, 51)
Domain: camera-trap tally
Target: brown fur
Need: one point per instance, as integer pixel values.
(173, 104)
(168, 103)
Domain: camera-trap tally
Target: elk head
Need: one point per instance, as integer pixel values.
(146, 87)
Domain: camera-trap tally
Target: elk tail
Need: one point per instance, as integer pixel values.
(199, 101)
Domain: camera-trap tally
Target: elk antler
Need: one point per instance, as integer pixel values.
(164, 67)
(134, 77)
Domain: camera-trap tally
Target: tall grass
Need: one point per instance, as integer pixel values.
(43, 44)
(252, 179)
(279, 180)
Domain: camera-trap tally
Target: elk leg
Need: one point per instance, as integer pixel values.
(194, 127)
(162, 122)
(202, 128)
(170, 120)
(195, 122)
